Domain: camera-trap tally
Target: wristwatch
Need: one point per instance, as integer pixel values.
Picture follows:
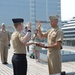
(29, 31)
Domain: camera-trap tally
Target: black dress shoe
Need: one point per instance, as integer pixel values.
(63, 73)
(5, 63)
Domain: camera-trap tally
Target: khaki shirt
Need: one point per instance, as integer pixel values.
(4, 36)
(19, 47)
(53, 36)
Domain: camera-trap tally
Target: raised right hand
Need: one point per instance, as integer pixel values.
(29, 26)
(39, 24)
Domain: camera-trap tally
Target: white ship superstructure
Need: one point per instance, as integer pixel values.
(69, 32)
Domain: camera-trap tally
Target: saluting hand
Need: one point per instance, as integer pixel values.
(39, 24)
(29, 26)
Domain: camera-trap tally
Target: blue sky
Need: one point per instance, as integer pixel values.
(67, 9)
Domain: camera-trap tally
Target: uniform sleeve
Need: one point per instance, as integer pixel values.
(42, 35)
(24, 38)
(59, 36)
(46, 33)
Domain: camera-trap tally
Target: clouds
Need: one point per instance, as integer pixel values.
(67, 9)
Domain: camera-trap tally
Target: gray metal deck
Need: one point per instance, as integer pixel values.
(35, 68)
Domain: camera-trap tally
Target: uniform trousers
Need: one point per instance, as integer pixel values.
(4, 52)
(54, 62)
(19, 62)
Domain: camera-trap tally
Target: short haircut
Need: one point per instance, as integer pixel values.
(16, 24)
